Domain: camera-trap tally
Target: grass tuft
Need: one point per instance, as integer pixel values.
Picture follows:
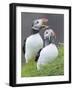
(54, 68)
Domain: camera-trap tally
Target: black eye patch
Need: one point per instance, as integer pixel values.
(46, 32)
(37, 22)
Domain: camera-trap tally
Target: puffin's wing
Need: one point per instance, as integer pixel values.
(38, 54)
(23, 48)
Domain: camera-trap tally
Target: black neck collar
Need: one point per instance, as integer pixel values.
(35, 31)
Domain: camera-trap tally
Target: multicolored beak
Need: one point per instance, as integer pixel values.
(44, 22)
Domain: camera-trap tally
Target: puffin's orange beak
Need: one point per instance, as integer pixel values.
(54, 34)
(44, 22)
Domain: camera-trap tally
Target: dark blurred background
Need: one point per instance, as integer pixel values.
(56, 22)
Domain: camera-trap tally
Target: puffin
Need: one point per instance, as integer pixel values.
(34, 42)
(50, 51)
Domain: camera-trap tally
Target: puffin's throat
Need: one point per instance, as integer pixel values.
(35, 31)
(47, 42)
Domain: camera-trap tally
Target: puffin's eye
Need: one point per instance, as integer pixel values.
(46, 32)
(37, 22)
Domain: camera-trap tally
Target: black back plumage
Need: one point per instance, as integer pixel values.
(23, 49)
(37, 56)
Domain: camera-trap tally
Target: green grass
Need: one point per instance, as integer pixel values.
(54, 68)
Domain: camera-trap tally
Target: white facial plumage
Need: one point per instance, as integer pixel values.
(39, 23)
(36, 24)
(49, 33)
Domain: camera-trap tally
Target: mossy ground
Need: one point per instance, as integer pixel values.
(53, 68)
